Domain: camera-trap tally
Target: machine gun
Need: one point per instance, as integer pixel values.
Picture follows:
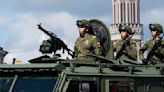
(53, 44)
(120, 52)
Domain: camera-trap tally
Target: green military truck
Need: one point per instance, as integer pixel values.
(81, 76)
(101, 74)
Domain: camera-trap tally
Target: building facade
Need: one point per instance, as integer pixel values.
(126, 12)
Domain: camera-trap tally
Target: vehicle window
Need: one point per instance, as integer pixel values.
(120, 86)
(5, 83)
(34, 84)
(76, 86)
(150, 85)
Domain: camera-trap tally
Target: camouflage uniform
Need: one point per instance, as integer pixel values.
(86, 45)
(158, 54)
(148, 46)
(129, 50)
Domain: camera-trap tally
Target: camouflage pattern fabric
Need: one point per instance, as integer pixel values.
(129, 52)
(84, 46)
(148, 47)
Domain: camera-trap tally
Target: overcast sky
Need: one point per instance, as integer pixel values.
(19, 18)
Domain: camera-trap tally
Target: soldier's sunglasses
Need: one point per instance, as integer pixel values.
(80, 24)
(123, 30)
(153, 30)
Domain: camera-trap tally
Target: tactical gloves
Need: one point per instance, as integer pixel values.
(145, 62)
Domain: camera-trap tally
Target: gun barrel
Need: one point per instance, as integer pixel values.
(45, 31)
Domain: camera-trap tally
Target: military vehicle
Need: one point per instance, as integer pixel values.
(101, 74)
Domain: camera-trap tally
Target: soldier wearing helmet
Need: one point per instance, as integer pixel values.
(87, 43)
(125, 48)
(154, 47)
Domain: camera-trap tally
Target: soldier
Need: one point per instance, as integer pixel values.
(2, 54)
(154, 47)
(125, 49)
(87, 43)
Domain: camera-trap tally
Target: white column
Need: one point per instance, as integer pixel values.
(123, 12)
(116, 12)
(126, 12)
(136, 12)
(133, 12)
(119, 10)
(113, 12)
(130, 12)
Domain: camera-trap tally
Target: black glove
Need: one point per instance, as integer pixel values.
(127, 42)
(157, 43)
(123, 45)
(145, 61)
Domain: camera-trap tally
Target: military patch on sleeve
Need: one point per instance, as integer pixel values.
(98, 44)
(134, 44)
(86, 42)
(94, 37)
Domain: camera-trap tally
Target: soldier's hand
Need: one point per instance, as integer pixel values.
(145, 61)
(127, 42)
(157, 43)
(156, 51)
(124, 51)
(123, 46)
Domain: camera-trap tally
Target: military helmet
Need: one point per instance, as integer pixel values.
(83, 23)
(156, 27)
(125, 28)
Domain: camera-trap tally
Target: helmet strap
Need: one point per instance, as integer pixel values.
(158, 33)
(162, 36)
